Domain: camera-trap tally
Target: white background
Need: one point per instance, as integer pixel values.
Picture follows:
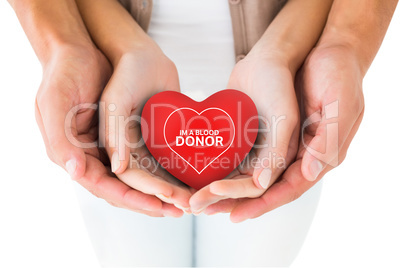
(358, 222)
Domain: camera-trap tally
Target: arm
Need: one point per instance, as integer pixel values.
(74, 74)
(267, 75)
(359, 26)
(349, 43)
(293, 33)
(113, 29)
(50, 25)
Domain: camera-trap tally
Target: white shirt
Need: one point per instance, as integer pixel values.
(197, 36)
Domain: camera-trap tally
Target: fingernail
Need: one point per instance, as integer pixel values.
(181, 207)
(71, 166)
(198, 212)
(217, 193)
(163, 198)
(315, 169)
(265, 178)
(115, 161)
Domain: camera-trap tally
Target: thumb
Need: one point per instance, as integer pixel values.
(320, 152)
(116, 136)
(323, 149)
(55, 129)
(278, 148)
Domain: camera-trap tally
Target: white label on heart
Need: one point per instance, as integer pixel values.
(187, 108)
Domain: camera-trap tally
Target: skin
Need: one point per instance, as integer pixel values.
(140, 71)
(267, 75)
(64, 47)
(277, 56)
(332, 71)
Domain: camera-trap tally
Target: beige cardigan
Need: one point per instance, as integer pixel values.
(250, 18)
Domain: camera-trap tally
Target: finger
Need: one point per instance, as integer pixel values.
(97, 181)
(51, 116)
(238, 187)
(181, 193)
(157, 214)
(202, 199)
(289, 188)
(180, 199)
(116, 112)
(348, 141)
(223, 206)
(166, 211)
(330, 136)
(279, 148)
(206, 200)
(146, 182)
(169, 210)
(150, 183)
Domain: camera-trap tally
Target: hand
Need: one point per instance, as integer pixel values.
(332, 107)
(139, 74)
(269, 82)
(73, 76)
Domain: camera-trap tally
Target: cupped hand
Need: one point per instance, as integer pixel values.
(66, 113)
(332, 107)
(269, 83)
(138, 75)
(73, 76)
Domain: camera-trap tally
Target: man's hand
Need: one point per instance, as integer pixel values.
(330, 84)
(74, 78)
(332, 105)
(270, 84)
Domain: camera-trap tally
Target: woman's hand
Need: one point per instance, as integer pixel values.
(140, 70)
(139, 74)
(269, 83)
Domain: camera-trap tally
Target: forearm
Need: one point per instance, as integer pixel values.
(112, 28)
(360, 26)
(51, 24)
(294, 32)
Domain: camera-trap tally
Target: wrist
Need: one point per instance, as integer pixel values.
(51, 26)
(358, 29)
(131, 51)
(275, 55)
(57, 48)
(346, 43)
(338, 56)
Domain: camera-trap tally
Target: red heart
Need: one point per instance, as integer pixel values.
(199, 142)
